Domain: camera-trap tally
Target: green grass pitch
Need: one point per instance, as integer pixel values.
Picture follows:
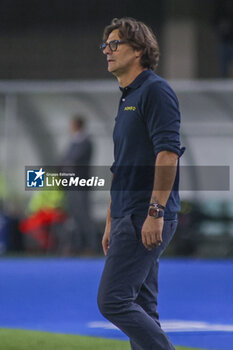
(11, 339)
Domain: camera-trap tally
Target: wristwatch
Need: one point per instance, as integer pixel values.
(156, 210)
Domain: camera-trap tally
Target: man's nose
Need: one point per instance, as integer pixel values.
(107, 50)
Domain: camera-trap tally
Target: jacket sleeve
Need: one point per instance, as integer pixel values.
(162, 118)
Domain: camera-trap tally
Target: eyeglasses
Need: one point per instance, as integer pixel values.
(113, 45)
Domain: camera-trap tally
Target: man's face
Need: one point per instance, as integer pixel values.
(123, 59)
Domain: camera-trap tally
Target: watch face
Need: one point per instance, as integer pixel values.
(156, 213)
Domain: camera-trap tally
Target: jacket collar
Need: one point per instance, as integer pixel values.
(138, 80)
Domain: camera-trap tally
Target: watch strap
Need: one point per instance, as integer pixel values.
(156, 205)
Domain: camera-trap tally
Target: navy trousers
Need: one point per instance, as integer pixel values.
(128, 288)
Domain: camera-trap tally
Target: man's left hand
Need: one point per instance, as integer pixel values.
(152, 232)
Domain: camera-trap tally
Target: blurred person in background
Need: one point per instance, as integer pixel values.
(224, 29)
(141, 221)
(79, 235)
(11, 236)
(3, 230)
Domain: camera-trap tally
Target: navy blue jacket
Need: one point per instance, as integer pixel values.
(148, 122)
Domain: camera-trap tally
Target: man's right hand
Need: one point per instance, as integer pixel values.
(106, 239)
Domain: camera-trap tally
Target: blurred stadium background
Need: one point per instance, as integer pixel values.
(50, 69)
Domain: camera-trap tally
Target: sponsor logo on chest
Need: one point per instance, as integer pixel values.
(130, 108)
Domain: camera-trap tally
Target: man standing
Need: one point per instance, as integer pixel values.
(142, 213)
(80, 236)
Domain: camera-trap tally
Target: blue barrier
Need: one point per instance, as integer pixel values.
(59, 295)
